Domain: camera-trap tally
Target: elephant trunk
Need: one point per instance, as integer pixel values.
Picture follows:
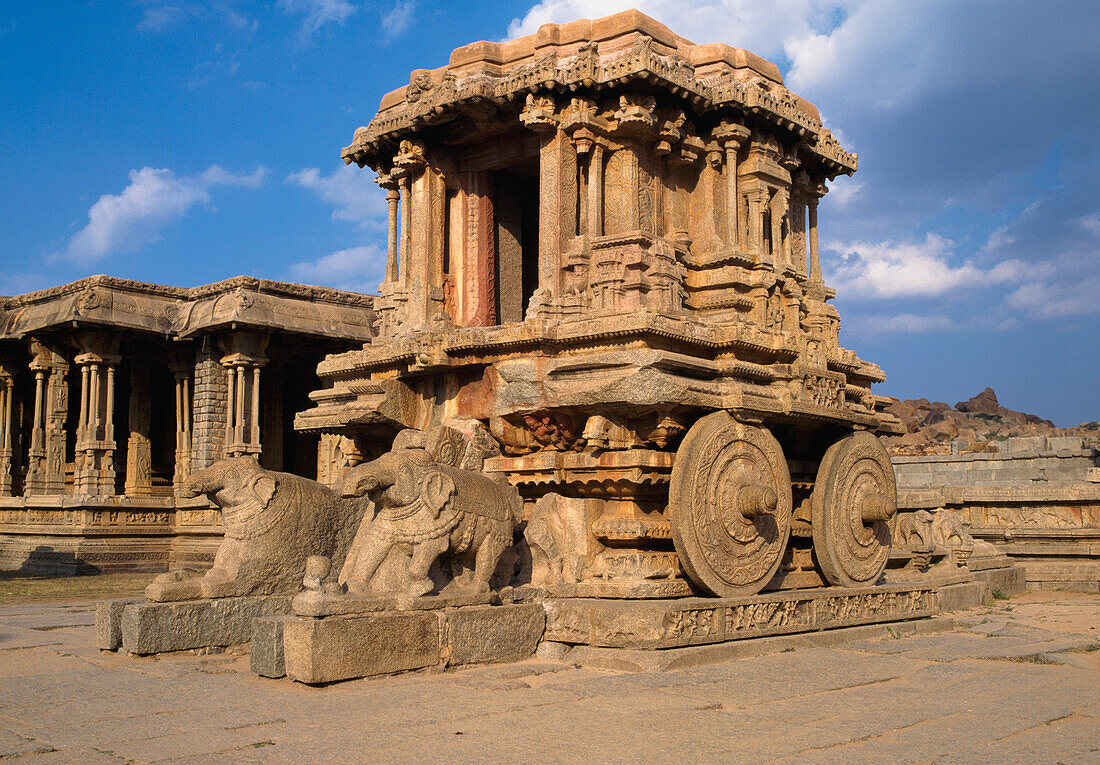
(360, 485)
(197, 486)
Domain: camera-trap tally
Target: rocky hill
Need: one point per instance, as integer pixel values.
(977, 423)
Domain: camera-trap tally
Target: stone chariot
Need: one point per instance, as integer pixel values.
(603, 250)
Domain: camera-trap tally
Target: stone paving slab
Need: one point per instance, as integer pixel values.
(978, 694)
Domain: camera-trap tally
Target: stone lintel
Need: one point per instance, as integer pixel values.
(148, 627)
(698, 621)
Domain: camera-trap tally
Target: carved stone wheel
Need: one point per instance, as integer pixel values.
(855, 505)
(729, 505)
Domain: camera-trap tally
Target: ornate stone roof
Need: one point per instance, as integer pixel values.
(243, 302)
(595, 54)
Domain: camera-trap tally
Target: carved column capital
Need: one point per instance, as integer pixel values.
(409, 160)
(636, 115)
(387, 181)
(243, 349)
(45, 356)
(538, 113)
(731, 134)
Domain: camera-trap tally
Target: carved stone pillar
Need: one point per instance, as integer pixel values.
(594, 218)
(393, 197)
(796, 215)
(184, 403)
(139, 450)
(758, 200)
(416, 195)
(710, 178)
(244, 357)
(779, 237)
(46, 456)
(7, 420)
(730, 137)
(539, 115)
(95, 438)
(815, 262)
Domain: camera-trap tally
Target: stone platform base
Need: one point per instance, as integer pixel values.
(698, 621)
(332, 648)
(144, 627)
(668, 659)
(1007, 581)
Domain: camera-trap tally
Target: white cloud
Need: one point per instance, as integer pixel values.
(350, 190)
(358, 269)
(874, 325)
(159, 15)
(903, 323)
(317, 14)
(911, 269)
(843, 190)
(135, 217)
(1090, 223)
(397, 20)
(1045, 300)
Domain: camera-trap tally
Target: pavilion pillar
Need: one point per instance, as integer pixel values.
(46, 455)
(243, 359)
(139, 456)
(7, 420)
(184, 419)
(95, 439)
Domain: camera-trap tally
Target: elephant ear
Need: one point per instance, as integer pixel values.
(438, 490)
(264, 486)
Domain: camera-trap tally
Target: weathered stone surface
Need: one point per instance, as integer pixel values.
(487, 634)
(182, 625)
(694, 621)
(320, 603)
(962, 596)
(108, 623)
(670, 659)
(345, 647)
(323, 650)
(979, 425)
(265, 647)
(1009, 581)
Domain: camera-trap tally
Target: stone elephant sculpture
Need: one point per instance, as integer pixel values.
(426, 509)
(273, 523)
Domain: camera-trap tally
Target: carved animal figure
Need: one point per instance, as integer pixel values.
(426, 509)
(273, 523)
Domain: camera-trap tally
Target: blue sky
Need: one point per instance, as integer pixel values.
(183, 142)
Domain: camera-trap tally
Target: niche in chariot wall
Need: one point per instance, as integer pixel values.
(516, 231)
